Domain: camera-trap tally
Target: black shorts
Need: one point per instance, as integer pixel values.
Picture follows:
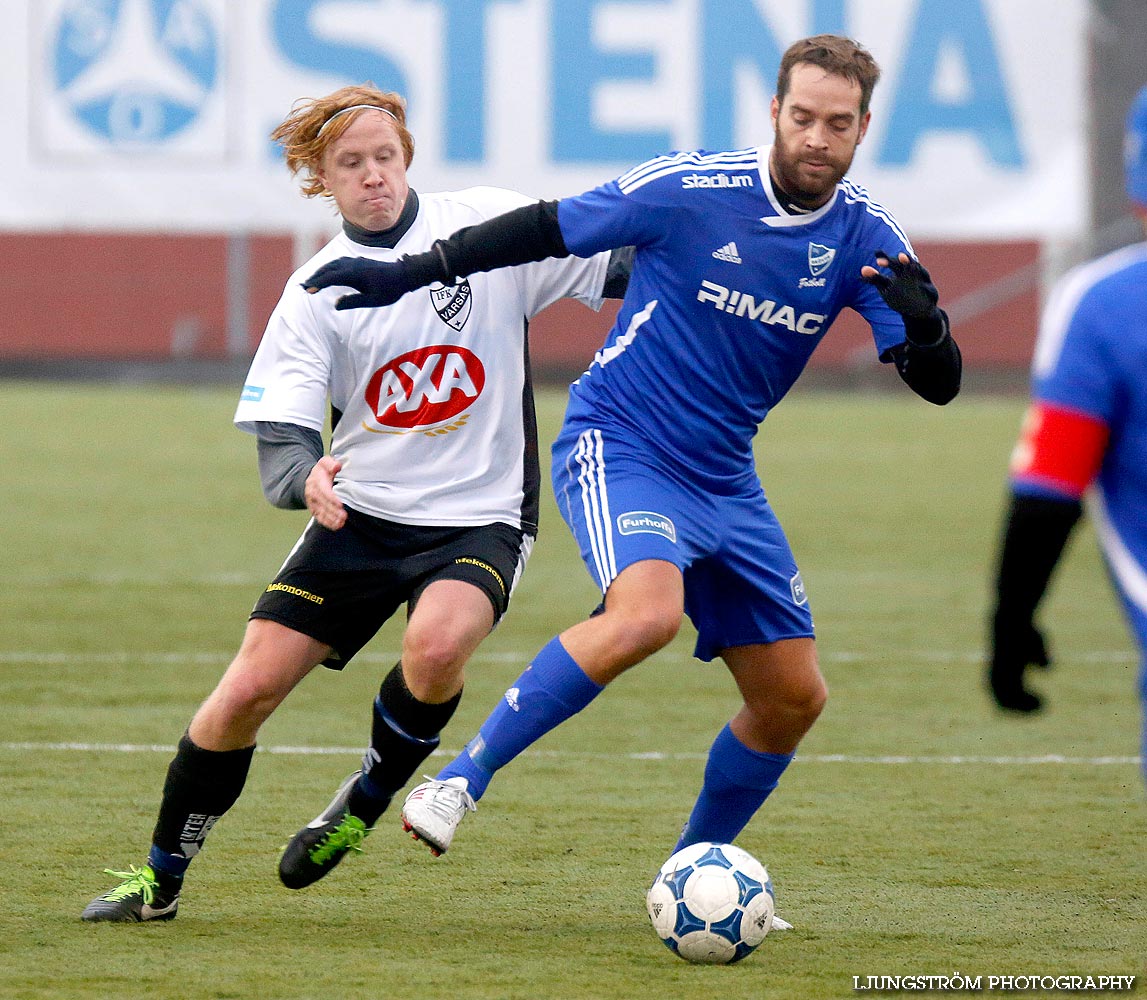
(339, 587)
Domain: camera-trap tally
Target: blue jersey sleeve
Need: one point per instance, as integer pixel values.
(1081, 374)
(887, 323)
(609, 217)
(875, 229)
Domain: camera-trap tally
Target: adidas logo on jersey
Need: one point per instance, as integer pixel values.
(728, 253)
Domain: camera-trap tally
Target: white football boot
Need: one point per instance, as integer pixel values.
(432, 812)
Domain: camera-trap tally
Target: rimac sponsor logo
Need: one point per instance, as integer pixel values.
(252, 393)
(136, 74)
(694, 181)
(820, 258)
(796, 585)
(742, 304)
(426, 390)
(728, 253)
(636, 522)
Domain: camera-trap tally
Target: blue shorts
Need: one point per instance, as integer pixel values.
(742, 584)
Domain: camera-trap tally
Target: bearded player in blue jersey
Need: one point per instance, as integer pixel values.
(1086, 427)
(743, 260)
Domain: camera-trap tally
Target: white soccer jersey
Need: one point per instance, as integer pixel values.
(437, 417)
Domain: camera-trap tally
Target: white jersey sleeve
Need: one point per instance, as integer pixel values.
(289, 377)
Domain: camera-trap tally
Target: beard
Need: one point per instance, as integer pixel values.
(806, 178)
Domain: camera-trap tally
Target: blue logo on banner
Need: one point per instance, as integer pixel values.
(135, 72)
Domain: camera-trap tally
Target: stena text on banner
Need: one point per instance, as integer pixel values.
(139, 115)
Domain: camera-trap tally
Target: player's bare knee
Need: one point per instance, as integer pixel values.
(798, 702)
(645, 631)
(815, 700)
(433, 657)
(234, 711)
(806, 700)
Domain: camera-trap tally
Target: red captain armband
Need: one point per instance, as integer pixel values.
(1059, 449)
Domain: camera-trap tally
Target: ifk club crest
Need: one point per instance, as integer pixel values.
(133, 74)
(820, 258)
(452, 303)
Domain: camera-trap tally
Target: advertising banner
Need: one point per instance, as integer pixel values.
(144, 115)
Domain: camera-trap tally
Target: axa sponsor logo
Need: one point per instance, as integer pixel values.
(693, 181)
(636, 522)
(743, 304)
(425, 390)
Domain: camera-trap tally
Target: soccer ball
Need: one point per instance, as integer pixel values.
(711, 903)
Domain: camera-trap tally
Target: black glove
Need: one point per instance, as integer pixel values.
(909, 290)
(378, 283)
(1014, 649)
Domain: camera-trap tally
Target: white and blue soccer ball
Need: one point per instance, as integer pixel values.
(711, 903)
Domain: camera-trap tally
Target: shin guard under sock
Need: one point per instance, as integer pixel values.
(737, 781)
(201, 786)
(404, 732)
(552, 689)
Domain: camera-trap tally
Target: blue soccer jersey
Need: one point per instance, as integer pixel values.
(1092, 358)
(729, 297)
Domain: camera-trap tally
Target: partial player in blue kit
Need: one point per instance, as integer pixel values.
(743, 260)
(1085, 432)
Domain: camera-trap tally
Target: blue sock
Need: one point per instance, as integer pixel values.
(550, 690)
(737, 781)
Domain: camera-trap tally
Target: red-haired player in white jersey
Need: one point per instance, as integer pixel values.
(428, 497)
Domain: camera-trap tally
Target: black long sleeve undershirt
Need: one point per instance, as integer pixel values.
(929, 361)
(526, 234)
(1035, 532)
(522, 236)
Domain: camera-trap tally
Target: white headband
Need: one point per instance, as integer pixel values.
(355, 107)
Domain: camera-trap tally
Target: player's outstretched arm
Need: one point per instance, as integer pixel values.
(929, 360)
(1035, 532)
(524, 235)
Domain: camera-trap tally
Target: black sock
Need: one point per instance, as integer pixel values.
(404, 732)
(201, 786)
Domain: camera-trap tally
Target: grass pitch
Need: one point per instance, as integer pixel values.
(918, 833)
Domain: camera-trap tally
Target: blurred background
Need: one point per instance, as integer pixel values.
(147, 223)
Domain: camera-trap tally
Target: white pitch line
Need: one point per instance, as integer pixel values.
(652, 755)
(514, 656)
